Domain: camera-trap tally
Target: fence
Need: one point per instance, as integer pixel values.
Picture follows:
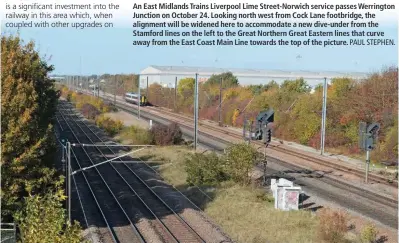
(8, 233)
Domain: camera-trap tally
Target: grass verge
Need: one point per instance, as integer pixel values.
(245, 213)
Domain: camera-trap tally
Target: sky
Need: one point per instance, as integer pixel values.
(110, 50)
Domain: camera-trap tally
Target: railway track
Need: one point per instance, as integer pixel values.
(129, 197)
(184, 120)
(333, 165)
(332, 180)
(108, 206)
(354, 198)
(219, 134)
(388, 202)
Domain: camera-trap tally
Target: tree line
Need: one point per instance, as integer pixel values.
(31, 186)
(297, 107)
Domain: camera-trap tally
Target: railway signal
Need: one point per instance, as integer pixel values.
(268, 135)
(262, 132)
(367, 140)
(262, 127)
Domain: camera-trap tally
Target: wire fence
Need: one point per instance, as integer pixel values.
(8, 233)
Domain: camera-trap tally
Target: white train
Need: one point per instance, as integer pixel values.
(133, 98)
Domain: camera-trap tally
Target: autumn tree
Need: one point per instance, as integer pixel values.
(156, 94)
(341, 86)
(229, 80)
(297, 86)
(121, 83)
(305, 116)
(185, 88)
(260, 88)
(28, 105)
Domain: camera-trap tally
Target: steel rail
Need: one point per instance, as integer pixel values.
(94, 197)
(384, 200)
(213, 137)
(135, 230)
(142, 182)
(334, 165)
(74, 182)
(202, 213)
(134, 191)
(376, 196)
(344, 168)
(112, 232)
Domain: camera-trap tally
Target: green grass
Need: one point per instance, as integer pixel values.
(134, 135)
(249, 217)
(247, 214)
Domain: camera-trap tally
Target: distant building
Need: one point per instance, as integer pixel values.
(57, 78)
(166, 75)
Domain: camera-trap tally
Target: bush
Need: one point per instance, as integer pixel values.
(90, 111)
(110, 107)
(64, 92)
(204, 169)
(369, 234)
(43, 218)
(111, 127)
(333, 225)
(138, 135)
(69, 96)
(166, 135)
(240, 159)
(74, 96)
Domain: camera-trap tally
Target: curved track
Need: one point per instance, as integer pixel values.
(349, 196)
(340, 167)
(220, 135)
(182, 119)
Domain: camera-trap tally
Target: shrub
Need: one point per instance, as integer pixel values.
(99, 103)
(43, 218)
(166, 135)
(240, 159)
(110, 107)
(369, 234)
(204, 169)
(74, 97)
(333, 225)
(64, 92)
(69, 96)
(90, 111)
(139, 135)
(111, 127)
(262, 196)
(235, 116)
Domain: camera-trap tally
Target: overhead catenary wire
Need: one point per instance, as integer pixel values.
(138, 177)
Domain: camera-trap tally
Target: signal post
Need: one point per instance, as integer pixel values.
(367, 139)
(262, 132)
